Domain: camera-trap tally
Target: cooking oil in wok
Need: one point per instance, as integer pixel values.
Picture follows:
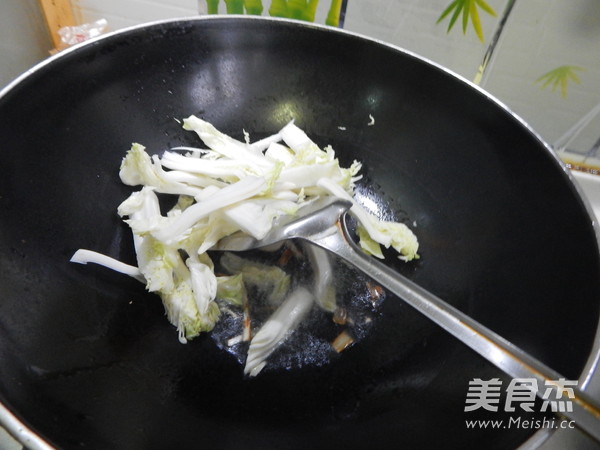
(323, 334)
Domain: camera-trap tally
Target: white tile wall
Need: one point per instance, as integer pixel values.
(411, 24)
(24, 38)
(124, 13)
(539, 36)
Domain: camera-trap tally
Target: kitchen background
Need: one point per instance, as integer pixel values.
(540, 57)
(545, 65)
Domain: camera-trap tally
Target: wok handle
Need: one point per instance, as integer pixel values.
(493, 347)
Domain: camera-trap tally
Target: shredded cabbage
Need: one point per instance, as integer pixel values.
(289, 314)
(228, 187)
(271, 281)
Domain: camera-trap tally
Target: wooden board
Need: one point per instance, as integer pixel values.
(58, 14)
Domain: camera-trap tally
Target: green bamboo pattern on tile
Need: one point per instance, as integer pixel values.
(559, 78)
(254, 7)
(292, 9)
(234, 6)
(333, 16)
(279, 8)
(469, 10)
(212, 6)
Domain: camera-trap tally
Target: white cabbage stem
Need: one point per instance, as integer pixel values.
(283, 321)
(83, 256)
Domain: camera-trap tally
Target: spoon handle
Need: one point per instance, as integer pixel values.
(493, 347)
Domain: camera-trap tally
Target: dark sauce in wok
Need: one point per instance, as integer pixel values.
(312, 343)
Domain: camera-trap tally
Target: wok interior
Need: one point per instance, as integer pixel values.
(88, 357)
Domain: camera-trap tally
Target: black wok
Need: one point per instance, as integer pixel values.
(88, 358)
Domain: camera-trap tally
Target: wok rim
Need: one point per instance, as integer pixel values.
(589, 379)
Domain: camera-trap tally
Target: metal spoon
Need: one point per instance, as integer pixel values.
(324, 225)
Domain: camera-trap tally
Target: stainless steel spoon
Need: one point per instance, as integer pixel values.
(325, 226)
